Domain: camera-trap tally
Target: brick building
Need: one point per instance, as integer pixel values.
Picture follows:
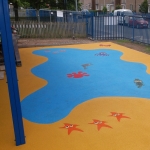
(86, 4)
(110, 4)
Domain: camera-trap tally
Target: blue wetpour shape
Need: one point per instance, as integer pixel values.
(70, 84)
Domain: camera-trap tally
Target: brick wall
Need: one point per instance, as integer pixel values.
(128, 4)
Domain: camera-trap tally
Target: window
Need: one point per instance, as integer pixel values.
(107, 7)
(131, 7)
(89, 6)
(123, 6)
(123, 1)
(97, 7)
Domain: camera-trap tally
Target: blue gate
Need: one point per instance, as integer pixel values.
(104, 27)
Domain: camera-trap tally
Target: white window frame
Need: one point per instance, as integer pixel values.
(131, 6)
(96, 6)
(108, 7)
(123, 6)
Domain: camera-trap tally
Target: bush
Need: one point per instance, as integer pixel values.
(144, 7)
(104, 9)
(118, 7)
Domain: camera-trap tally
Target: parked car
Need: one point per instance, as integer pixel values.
(138, 22)
(85, 12)
(123, 15)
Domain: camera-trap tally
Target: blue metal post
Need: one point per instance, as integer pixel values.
(87, 16)
(9, 58)
(123, 28)
(133, 29)
(92, 27)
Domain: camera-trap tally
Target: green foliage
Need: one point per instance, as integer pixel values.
(37, 4)
(118, 7)
(122, 41)
(70, 5)
(148, 48)
(104, 9)
(144, 7)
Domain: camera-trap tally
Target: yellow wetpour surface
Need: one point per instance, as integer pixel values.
(80, 97)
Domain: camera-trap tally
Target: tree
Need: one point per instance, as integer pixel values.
(144, 7)
(118, 7)
(68, 4)
(104, 9)
(16, 10)
(54, 4)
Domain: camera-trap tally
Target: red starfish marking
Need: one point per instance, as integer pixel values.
(80, 74)
(71, 127)
(118, 115)
(100, 124)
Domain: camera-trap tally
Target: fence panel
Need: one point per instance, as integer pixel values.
(62, 24)
(104, 27)
(138, 29)
(30, 29)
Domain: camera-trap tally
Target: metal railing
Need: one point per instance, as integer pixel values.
(31, 29)
(134, 28)
(96, 26)
(47, 15)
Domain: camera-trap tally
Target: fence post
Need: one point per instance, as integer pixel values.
(50, 15)
(123, 27)
(73, 37)
(86, 25)
(38, 16)
(92, 26)
(133, 29)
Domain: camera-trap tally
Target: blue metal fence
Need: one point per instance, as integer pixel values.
(136, 28)
(104, 27)
(99, 26)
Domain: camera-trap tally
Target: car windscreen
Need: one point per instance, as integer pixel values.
(140, 19)
(126, 13)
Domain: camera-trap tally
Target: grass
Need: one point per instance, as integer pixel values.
(147, 49)
(123, 41)
(134, 45)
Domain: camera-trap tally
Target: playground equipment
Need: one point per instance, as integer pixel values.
(10, 67)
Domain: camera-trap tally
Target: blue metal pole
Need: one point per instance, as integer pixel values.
(92, 27)
(10, 66)
(87, 16)
(133, 29)
(123, 28)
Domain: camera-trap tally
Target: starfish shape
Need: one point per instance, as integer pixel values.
(80, 74)
(119, 116)
(100, 124)
(71, 127)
